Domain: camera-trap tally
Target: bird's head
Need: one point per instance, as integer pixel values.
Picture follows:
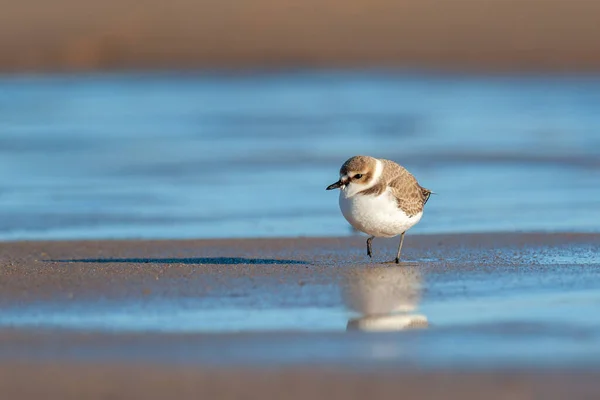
(356, 174)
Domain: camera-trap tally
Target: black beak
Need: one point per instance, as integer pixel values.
(336, 185)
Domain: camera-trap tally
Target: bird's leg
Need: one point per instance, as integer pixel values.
(400, 248)
(369, 252)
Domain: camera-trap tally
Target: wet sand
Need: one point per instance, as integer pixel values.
(71, 270)
(459, 360)
(66, 382)
(496, 35)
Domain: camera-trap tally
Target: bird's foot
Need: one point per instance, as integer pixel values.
(369, 252)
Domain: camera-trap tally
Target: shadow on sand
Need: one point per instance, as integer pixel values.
(203, 260)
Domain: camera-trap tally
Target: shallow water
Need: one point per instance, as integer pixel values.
(536, 319)
(209, 155)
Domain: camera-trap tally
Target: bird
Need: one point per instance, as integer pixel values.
(380, 198)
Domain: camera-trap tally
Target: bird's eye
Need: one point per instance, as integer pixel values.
(357, 176)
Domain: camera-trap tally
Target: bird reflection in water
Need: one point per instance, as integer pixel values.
(386, 298)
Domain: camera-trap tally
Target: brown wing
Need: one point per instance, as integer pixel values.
(409, 195)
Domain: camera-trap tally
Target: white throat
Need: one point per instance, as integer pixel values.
(352, 188)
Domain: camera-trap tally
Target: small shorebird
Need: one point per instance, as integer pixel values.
(380, 198)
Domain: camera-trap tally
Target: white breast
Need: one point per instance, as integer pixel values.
(376, 215)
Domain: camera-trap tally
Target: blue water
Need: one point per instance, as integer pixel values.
(573, 310)
(217, 155)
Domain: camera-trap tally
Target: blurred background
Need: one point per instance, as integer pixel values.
(180, 119)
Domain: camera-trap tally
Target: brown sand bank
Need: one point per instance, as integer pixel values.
(491, 35)
(66, 382)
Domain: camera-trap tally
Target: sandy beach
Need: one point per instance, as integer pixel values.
(68, 270)
(463, 284)
(496, 35)
(68, 382)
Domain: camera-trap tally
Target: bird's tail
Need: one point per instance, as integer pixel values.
(426, 194)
